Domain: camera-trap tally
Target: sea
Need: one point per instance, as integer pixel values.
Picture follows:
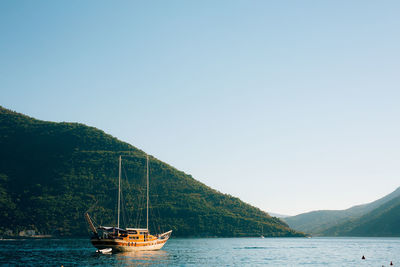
(316, 251)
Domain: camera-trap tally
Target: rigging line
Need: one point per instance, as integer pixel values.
(141, 197)
(137, 210)
(94, 222)
(124, 170)
(147, 191)
(129, 196)
(125, 211)
(91, 208)
(155, 210)
(159, 216)
(123, 208)
(140, 210)
(138, 198)
(115, 211)
(154, 223)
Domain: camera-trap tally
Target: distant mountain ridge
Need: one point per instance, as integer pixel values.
(51, 173)
(383, 221)
(340, 222)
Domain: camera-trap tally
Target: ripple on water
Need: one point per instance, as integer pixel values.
(211, 252)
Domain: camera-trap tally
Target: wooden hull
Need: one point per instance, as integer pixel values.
(125, 246)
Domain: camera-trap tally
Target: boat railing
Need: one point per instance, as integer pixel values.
(165, 235)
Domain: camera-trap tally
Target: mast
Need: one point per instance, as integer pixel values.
(119, 189)
(147, 178)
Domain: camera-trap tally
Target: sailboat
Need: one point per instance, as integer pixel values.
(128, 239)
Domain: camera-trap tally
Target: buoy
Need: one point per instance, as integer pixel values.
(363, 258)
(391, 263)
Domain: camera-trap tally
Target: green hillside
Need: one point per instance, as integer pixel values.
(315, 222)
(51, 173)
(328, 222)
(382, 221)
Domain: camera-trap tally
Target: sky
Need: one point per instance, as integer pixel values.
(291, 106)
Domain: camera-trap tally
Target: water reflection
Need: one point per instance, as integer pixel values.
(209, 252)
(142, 257)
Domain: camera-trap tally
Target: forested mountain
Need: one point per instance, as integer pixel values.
(329, 222)
(382, 221)
(51, 173)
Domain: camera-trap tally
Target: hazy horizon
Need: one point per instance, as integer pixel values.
(290, 106)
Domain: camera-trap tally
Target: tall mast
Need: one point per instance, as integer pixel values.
(147, 178)
(119, 189)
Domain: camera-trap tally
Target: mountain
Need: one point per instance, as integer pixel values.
(383, 221)
(318, 222)
(51, 173)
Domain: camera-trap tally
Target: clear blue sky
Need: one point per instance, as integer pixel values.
(290, 105)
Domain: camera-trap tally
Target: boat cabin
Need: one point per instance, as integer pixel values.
(128, 234)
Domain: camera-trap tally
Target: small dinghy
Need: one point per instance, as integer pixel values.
(104, 250)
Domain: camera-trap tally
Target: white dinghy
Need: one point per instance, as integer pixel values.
(104, 250)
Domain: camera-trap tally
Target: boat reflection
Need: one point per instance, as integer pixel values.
(148, 257)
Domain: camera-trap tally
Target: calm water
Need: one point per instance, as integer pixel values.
(210, 252)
